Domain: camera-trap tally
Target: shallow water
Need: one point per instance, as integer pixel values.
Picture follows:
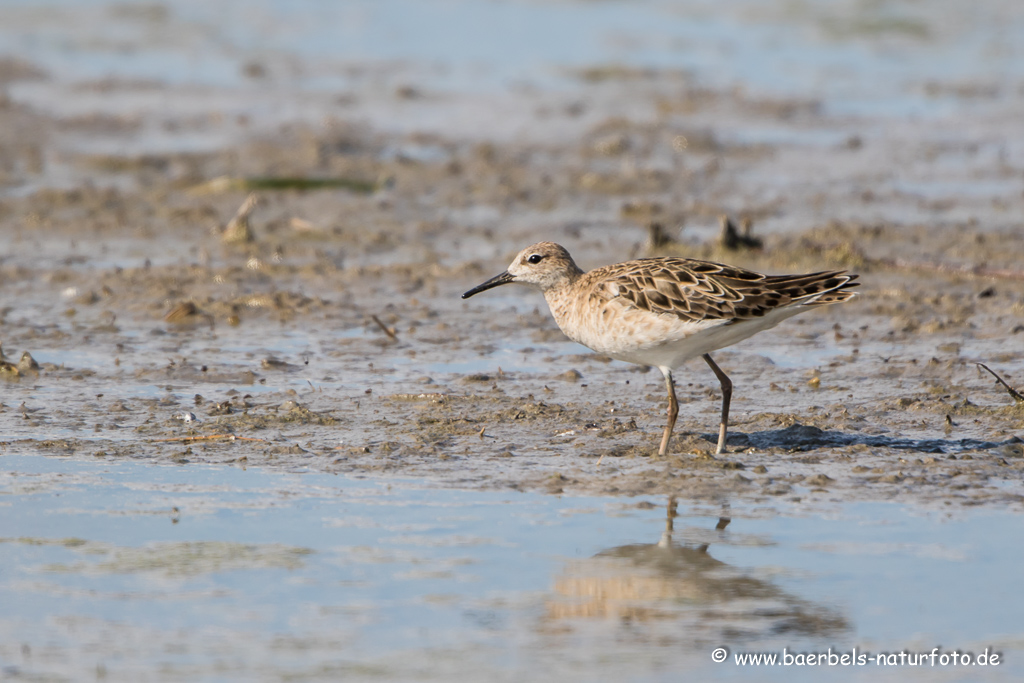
(214, 573)
(833, 47)
(271, 61)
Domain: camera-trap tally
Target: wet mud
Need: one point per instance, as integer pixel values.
(144, 316)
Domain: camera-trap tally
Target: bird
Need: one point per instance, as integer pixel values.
(664, 311)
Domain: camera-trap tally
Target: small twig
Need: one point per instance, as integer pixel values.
(238, 230)
(732, 239)
(1013, 392)
(977, 271)
(387, 330)
(211, 437)
(484, 435)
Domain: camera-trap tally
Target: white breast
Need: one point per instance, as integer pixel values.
(618, 329)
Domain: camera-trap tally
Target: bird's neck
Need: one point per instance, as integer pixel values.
(561, 296)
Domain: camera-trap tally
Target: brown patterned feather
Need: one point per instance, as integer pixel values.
(701, 290)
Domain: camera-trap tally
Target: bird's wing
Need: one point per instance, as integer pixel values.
(701, 290)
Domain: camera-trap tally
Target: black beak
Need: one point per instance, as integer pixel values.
(502, 279)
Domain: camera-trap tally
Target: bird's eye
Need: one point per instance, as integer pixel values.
(535, 258)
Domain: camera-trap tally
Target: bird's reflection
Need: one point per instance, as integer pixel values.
(662, 581)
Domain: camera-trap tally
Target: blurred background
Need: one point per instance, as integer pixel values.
(249, 430)
(190, 75)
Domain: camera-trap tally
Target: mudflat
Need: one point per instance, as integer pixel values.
(321, 326)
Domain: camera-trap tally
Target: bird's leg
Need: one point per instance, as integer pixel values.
(671, 513)
(726, 397)
(673, 411)
(666, 537)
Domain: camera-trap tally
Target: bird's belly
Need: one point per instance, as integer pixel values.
(637, 336)
(663, 340)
